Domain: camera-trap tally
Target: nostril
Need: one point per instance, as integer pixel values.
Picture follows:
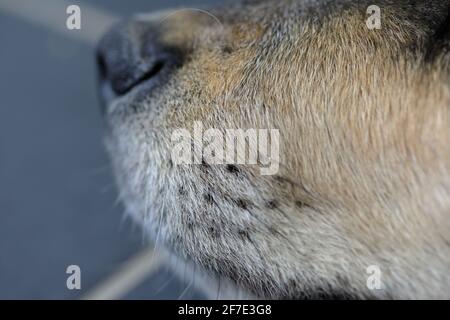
(128, 79)
(101, 65)
(122, 76)
(131, 54)
(152, 72)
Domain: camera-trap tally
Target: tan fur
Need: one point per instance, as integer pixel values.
(364, 120)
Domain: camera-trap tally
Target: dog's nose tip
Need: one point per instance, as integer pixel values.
(131, 53)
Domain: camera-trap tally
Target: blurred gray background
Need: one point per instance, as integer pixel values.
(57, 195)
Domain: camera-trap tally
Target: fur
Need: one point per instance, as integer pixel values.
(364, 120)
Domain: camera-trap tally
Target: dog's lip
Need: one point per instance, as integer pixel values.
(143, 86)
(105, 91)
(107, 94)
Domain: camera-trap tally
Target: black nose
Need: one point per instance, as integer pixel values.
(131, 54)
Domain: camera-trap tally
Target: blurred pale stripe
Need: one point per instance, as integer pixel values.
(52, 15)
(136, 269)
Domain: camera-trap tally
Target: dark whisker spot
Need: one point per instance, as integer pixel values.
(272, 204)
(280, 179)
(204, 165)
(227, 49)
(243, 203)
(208, 198)
(272, 230)
(214, 232)
(232, 169)
(182, 191)
(244, 234)
(301, 204)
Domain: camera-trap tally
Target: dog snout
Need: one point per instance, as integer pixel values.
(131, 53)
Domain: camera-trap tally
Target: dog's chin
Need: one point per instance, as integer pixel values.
(216, 286)
(216, 283)
(210, 283)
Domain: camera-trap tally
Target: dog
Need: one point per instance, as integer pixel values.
(360, 205)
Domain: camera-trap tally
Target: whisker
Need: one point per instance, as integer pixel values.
(165, 284)
(218, 289)
(185, 290)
